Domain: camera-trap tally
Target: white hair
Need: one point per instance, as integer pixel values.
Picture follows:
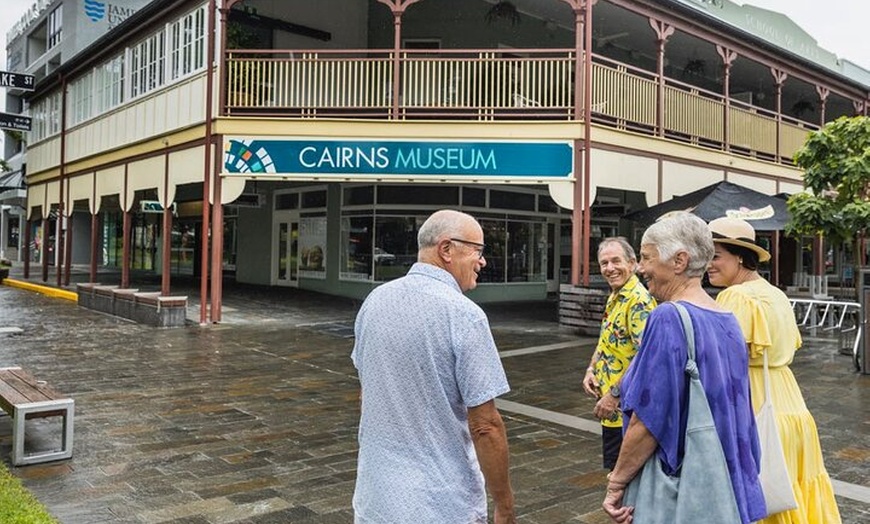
(441, 224)
(682, 231)
(622, 242)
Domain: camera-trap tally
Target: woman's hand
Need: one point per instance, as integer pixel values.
(613, 504)
(606, 407)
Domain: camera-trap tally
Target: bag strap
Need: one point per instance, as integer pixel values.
(766, 379)
(688, 329)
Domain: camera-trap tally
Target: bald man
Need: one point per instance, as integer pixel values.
(431, 440)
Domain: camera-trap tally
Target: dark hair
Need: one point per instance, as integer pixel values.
(749, 258)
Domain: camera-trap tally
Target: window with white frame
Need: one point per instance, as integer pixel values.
(55, 27)
(80, 96)
(46, 117)
(109, 85)
(187, 41)
(147, 65)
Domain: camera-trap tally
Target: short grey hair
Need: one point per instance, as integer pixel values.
(682, 231)
(440, 224)
(627, 250)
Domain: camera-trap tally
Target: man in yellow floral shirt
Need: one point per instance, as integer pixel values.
(628, 307)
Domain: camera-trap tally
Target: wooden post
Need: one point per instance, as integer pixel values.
(663, 32)
(166, 244)
(779, 78)
(728, 56)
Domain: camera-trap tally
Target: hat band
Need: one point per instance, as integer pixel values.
(744, 239)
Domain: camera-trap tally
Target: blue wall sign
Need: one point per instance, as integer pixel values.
(373, 158)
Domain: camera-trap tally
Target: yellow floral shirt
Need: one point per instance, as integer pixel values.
(621, 328)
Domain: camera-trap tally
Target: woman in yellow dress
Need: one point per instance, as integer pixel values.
(768, 323)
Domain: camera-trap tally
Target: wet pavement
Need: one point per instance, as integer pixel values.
(254, 420)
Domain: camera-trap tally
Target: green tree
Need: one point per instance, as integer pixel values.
(836, 164)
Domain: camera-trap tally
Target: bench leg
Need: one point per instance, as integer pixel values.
(18, 421)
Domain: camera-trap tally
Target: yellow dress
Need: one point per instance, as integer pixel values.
(768, 323)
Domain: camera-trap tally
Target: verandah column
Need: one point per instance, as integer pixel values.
(581, 214)
(45, 216)
(126, 234)
(26, 248)
(728, 56)
(663, 32)
(823, 93)
(68, 243)
(95, 228)
(166, 248)
(779, 78)
(217, 235)
(398, 9)
(62, 221)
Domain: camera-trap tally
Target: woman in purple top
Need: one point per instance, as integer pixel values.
(674, 254)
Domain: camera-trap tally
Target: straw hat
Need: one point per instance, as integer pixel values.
(737, 232)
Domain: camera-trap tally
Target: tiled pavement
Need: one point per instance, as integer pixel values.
(254, 420)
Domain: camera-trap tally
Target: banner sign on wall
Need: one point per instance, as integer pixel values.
(312, 159)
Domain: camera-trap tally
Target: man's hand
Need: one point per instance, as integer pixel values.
(590, 384)
(507, 516)
(606, 406)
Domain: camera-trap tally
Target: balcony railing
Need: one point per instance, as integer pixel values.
(517, 84)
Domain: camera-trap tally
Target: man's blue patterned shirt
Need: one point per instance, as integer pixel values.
(425, 354)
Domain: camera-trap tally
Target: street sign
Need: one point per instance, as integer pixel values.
(15, 122)
(17, 80)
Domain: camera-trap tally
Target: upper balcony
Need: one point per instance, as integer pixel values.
(486, 84)
(655, 70)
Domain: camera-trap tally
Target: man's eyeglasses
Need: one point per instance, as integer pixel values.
(480, 247)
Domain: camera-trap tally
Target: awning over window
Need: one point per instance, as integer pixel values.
(12, 180)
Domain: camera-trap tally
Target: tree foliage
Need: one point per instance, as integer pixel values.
(836, 164)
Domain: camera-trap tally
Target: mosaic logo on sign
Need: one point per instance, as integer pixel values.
(96, 11)
(239, 157)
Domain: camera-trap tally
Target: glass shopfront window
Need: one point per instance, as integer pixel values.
(379, 243)
(516, 251)
(380, 253)
(527, 246)
(356, 247)
(395, 249)
(383, 248)
(495, 238)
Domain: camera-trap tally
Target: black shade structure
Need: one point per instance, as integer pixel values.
(764, 212)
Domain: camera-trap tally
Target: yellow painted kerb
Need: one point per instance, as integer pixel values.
(45, 290)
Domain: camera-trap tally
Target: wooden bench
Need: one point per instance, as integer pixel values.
(23, 398)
